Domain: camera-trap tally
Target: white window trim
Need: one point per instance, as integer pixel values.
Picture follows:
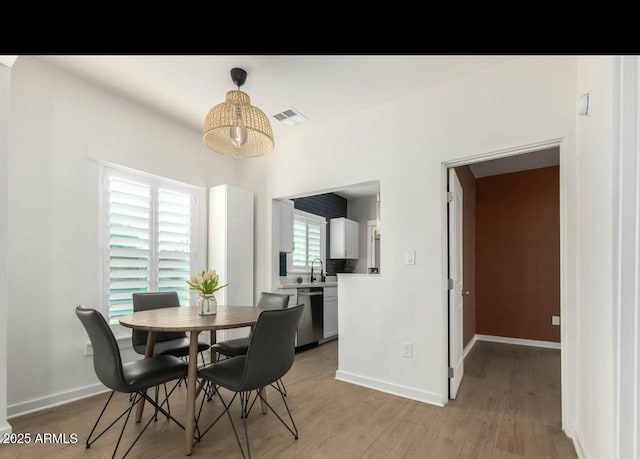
(199, 223)
(322, 221)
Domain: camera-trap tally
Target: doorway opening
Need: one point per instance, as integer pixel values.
(504, 266)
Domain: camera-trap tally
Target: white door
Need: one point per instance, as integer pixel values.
(456, 360)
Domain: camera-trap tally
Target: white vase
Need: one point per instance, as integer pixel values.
(207, 304)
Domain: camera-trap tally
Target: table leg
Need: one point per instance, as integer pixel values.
(263, 405)
(192, 375)
(148, 353)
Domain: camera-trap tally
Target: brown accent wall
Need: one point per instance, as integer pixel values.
(518, 254)
(468, 182)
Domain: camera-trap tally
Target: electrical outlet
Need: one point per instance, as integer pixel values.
(555, 320)
(407, 350)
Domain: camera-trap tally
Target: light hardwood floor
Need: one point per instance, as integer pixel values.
(508, 407)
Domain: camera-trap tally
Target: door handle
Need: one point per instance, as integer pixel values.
(466, 292)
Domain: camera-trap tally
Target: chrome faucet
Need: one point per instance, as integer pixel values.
(311, 276)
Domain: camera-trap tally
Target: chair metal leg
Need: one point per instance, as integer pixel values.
(132, 402)
(166, 397)
(140, 396)
(126, 420)
(294, 430)
(89, 442)
(245, 408)
(227, 408)
(134, 399)
(243, 403)
(281, 388)
(155, 413)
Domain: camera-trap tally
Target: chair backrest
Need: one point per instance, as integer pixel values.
(273, 301)
(106, 354)
(154, 300)
(272, 347)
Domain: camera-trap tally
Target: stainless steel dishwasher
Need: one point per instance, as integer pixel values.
(310, 327)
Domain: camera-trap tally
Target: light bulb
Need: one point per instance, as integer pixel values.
(238, 135)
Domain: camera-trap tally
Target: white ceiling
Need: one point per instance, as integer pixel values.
(322, 87)
(524, 162)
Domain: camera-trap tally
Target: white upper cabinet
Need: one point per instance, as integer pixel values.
(343, 238)
(285, 210)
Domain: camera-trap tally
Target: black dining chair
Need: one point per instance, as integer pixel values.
(239, 346)
(133, 378)
(269, 357)
(167, 343)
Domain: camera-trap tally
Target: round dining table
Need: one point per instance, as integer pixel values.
(187, 319)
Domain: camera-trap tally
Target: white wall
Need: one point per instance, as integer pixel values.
(57, 120)
(5, 78)
(523, 101)
(595, 338)
(362, 210)
(627, 254)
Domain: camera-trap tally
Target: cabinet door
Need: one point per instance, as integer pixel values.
(337, 248)
(330, 319)
(286, 225)
(351, 237)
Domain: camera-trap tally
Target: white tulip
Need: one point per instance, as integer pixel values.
(200, 279)
(208, 275)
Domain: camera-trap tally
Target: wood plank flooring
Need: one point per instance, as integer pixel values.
(508, 407)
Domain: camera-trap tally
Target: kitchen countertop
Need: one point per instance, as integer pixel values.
(309, 284)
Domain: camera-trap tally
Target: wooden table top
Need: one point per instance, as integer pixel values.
(186, 318)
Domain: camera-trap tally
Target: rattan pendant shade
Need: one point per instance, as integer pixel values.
(216, 133)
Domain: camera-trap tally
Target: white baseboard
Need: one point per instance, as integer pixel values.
(519, 341)
(5, 429)
(390, 388)
(50, 401)
(577, 445)
(469, 346)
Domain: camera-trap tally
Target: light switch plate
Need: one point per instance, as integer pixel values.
(407, 350)
(555, 320)
(410, 257)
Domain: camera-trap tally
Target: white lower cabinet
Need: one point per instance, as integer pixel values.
(330, 319)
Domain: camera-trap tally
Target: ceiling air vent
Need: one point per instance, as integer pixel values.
(290, 117)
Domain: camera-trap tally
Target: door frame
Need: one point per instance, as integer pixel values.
(567, 308)
(456, 297)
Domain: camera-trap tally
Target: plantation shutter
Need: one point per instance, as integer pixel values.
(299, 243)
(174, 242)
(129, 221)
(308, 237)
(314, 244)
(151, 238)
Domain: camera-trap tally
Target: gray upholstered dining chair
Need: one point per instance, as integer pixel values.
(239, 346)
(167, 343)
(269, 357)
(133, 378)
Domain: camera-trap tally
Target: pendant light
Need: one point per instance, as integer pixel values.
(235, 127)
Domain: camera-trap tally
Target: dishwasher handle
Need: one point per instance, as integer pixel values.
(310, 294)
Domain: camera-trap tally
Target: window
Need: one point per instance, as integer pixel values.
(149, 238)
(309, 235)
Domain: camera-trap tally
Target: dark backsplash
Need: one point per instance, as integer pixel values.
(326, 205)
